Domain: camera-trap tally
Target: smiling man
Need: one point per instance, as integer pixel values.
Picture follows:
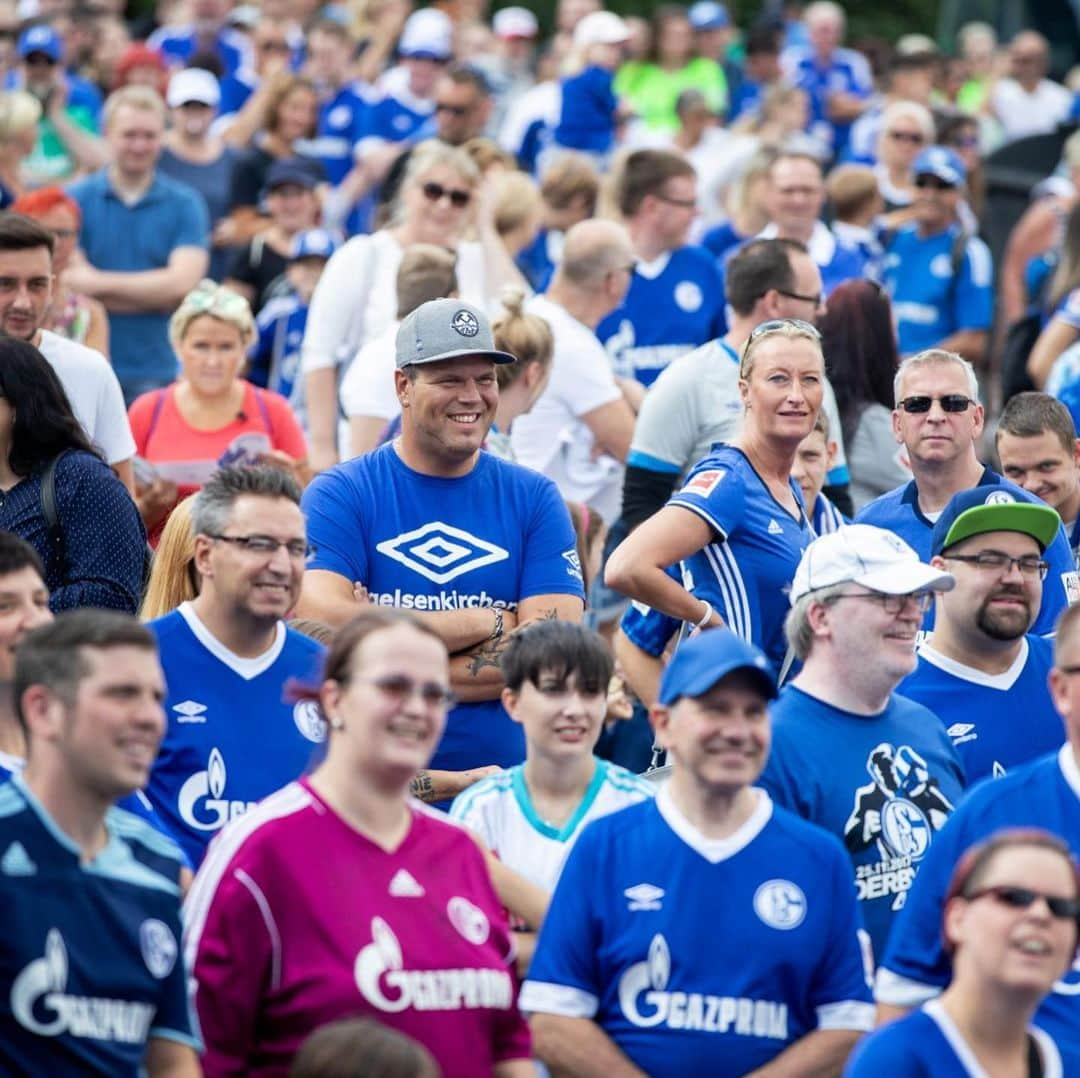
(849, 754)
(232, 738)
(981, 668)
(474, 545)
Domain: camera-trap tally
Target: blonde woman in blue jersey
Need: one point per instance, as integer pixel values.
(530, 816)
(738, 525)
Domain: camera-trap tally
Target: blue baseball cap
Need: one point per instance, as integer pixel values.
(702, 661)
(708, 15)
(291, 170)
(992, 509)
(313, 243)
(941, 162)
(41, 38)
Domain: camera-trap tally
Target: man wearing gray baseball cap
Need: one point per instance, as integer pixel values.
(474, 545)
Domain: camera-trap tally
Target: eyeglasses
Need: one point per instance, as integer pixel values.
(891, 604)
(433, 191)
(398, 688)
(1022, 898)
(682, 203)
(814, 300)
(933, 182)
(907, 136)
(995, 561)
(780, 325)
(36, 59)
(963, 142)
(454, 110)
(950, 402)
(266, 545)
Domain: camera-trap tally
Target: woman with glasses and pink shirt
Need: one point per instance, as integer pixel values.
(1011, 925)
(441, 198)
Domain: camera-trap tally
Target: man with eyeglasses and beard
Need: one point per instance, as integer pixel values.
(940, 278)
(938, 420)
(980, 668)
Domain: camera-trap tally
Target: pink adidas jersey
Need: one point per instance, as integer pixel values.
(296, 920)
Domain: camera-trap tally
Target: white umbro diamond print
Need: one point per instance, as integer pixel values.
(404, 886)
(441, 552)
(190, 711)
(774, 528)
(644, 896)
(16, 861)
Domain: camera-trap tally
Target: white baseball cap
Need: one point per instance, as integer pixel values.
(600, 28)
(873, 557)
(193, 84)
(428, 35)
(512, 22)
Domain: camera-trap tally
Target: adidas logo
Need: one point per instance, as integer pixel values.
(404, 886)
(16, 861)
(774, 528)
(190, 711)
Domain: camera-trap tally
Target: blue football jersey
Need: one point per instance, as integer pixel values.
(699, 956)
(275, 354)
(915, 968)
(674, 304)
(490, 538)
(898, 511)
(927, 1044)
(398, 116)
(341, 123)
(847, 71)
(883, 784)
(232, 737)
(827, 518)
(929, 301)
(996, 721)
(90, 954)
(747, 572)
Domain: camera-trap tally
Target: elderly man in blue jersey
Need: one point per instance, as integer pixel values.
(674, 303)
(233, 738)
(474, 545)
(980, 669)
(838, 80)
(90, 942)
(708, 931)
(938, 419)
(939, 277)
(1044, 793)
(848, 753)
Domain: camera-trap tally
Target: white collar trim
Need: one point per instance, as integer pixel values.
(1069, 767)
(715, 850)
(822, 245)
(238, 664)
(1002, 682)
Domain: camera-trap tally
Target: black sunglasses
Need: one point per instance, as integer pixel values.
(934, 182)
(951, 402)
(434, 191)
(454, 110)
(1020, 898)
(814, 299)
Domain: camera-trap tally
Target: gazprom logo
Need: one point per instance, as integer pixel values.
(202, 803)
(441, 552)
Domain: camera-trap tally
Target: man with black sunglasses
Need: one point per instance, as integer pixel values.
(940, 278)
(937, 422)
(1045, 794)
(981, 668)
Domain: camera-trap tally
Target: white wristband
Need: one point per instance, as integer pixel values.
(705, 618)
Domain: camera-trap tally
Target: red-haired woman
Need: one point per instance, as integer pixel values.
(73, 315)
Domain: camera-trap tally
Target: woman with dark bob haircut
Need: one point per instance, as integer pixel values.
(94, 546)
(859, 341)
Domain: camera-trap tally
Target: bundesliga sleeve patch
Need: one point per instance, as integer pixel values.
(704, 483)
(1071, 582)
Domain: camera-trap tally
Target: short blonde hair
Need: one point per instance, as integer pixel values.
(18, 112)
(936, 357)
(428, 155)
(141, 98)
(790, 329)
(517, 199)
(173, 579)
(213, 299)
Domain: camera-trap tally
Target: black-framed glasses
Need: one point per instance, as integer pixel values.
(1022, 898)
(934, 183)
(891, 604)
(398, 688)
(814, 299)
(682, 203)
(912, 137)
(459, 198)
(265, 545)
(997, 561)
(780, 325)
(950, 402)
(454, 110)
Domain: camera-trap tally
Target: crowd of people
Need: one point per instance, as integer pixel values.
(529, 550)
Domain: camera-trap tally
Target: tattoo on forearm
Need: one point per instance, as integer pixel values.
(487, 654)
(422, 787)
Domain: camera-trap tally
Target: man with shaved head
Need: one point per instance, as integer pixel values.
(1029, 103)
(578, 433)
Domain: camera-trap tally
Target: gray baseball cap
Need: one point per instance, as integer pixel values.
(446, 329)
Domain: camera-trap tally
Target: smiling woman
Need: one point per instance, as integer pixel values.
(211, 416)
(738, 522)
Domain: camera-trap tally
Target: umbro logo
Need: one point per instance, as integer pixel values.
(961, 732)
(190, 711)
(16, 861)
(441, 552)
(643, 896)
(403, 885)
(774, 528)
